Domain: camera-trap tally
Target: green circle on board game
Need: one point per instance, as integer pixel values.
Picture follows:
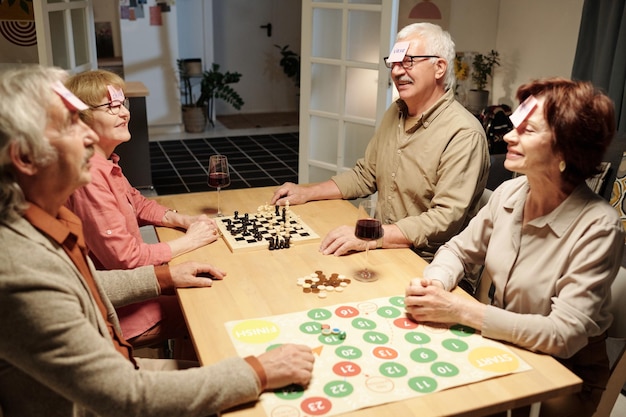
(455, 345)
(445, 369)
(376, 338)
(417, 338)
(290, 392)
(423, 384)
(348, 352)
(389, 312)
(330, 339)
(319, 314)
(393, 370)
(310, 327)
(363, 324)
(423, 355)
(397, 301)
(338, 389)
(462, 331)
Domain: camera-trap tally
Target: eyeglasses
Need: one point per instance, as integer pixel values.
(409, 60)
(113, 107)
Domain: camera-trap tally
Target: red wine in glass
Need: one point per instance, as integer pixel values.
(219, 176)
(367, 228)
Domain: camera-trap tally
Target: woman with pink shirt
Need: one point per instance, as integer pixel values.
(112, 212)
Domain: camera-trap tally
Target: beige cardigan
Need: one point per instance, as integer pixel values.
(56, 356)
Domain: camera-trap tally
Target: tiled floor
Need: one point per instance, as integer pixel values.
(180, 166)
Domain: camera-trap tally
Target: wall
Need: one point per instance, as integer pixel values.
(535, 38)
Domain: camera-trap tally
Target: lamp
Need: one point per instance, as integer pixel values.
(425, 10)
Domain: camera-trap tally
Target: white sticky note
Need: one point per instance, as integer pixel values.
(115, 94)
(521, 113)
(68, 97)
(398, 52)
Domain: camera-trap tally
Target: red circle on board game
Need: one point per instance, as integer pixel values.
(346, 368)
(346, 312)
(384, 352)
(404, 323)
(316, 406)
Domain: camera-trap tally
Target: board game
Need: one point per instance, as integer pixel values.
(269, 228)
(368, 353)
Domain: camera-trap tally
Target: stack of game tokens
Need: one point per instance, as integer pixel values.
(318, 283)
(326, 330)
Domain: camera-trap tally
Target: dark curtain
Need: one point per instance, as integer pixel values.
(601, 51)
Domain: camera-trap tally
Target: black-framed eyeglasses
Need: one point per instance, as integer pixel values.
(113, 107)
(409, 60)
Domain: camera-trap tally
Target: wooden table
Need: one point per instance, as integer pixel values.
(263, 283)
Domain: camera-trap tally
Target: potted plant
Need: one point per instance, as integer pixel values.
(290, 63)
(482, 69)
(215, 85)
(194, 115)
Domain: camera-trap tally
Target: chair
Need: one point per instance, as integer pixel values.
(616, 345)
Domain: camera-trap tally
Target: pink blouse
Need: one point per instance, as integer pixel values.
(112, 212)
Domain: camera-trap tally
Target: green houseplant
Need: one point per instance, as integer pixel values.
(482, 69)
(215, 85)
(290, 63)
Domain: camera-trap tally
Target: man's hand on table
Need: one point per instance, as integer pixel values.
(190, 274)
(287, 364)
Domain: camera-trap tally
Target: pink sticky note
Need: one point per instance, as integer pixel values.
(115, 94)
(71, 101)
(521, 113)
(398, 52)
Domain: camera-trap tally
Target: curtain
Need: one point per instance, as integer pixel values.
(601, 51)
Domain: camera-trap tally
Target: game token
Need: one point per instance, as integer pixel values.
(322, 294)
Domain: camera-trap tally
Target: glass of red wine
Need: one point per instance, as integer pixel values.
(219, 176)
(368, 227)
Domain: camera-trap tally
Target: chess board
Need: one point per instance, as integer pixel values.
(278, 228)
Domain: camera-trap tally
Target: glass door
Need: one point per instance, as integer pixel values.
(65, 34)
(345, 85)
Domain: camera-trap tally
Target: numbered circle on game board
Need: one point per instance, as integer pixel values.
(348, 352)
(404, 323)
(361, 323)
(389, 312)
(455, 345)
(423, 355)
(290, 392)
(423, 384)
(385, 352)
(330, 339)
(445, 369)
(345, 369)
(338, 389)
(255, 331)
(397, 301)
(319, 314)
(493, 359)
(311, 327)
(393, 370)
(346, 312)
(462, 331)
(316, 406)
(376, 338)
(417, 338)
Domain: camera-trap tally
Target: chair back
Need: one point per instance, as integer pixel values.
(616, 346)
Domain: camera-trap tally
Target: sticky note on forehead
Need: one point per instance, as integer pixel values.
(521, 113)
(115, 94)
(69, 99)
(398, 52)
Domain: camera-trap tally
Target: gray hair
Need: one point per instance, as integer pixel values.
(26, 97)
(436, 42)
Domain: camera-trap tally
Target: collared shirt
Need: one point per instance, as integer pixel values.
(552, 276)
(66, 230)
(430, 178)
(112, 212)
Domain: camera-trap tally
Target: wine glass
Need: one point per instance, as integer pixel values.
(368, 227)
(219, 176)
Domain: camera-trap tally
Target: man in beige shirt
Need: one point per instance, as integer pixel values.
(428, 160)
